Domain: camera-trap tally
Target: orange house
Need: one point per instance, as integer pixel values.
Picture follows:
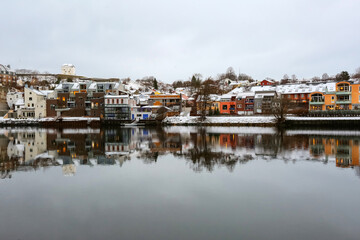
(228, 104)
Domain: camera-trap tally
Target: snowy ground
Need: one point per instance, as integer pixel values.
(322, 118)
(29, 120)
(220, 120)
(184, 120)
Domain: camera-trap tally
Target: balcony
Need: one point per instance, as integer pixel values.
(343, 101)
(316, 102)
(343, 92)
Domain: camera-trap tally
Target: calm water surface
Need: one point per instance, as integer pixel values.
(179, 183)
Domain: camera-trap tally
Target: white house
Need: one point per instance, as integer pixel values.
(34, 103)
(68, 69)
(13, 97)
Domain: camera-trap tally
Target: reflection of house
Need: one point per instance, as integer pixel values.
(344, 150)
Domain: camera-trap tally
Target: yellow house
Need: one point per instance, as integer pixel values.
(344, 96)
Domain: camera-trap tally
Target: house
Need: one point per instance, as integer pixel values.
(335, 96)
(263, 99)
(13, 97)
(245, 103)
(68, 69)
(228, 104)
(34, 103)
(81, 99)
(267, 82)
(213, 104)
(173, 101)
(118, 107)
(7, 76)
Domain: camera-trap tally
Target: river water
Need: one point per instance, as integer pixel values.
(179, 183)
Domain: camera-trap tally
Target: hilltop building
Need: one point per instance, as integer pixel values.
(68, 69)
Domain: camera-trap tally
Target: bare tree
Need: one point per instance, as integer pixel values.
(204, 94)
(280, 107)
(325, 77)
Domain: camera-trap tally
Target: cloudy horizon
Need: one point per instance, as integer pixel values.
(171, 40)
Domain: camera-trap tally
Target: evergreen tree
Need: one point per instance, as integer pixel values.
(155, 85)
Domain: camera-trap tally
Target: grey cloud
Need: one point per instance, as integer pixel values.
(174, 39)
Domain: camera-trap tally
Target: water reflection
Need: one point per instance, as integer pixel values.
(204, 149)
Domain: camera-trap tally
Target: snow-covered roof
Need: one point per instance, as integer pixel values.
(116, 96)
(19, 102)
(92, 86)
(37, 92)
(227, 96)
(245, 94)
(261, 95)
(68, 65)
(263, 88)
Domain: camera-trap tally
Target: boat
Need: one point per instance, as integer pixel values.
(134, 123)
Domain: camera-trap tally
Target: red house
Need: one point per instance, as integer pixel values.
(267, 82)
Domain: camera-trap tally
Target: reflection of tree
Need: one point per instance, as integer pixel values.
(149, 157)
(357, 171)
(203, 157)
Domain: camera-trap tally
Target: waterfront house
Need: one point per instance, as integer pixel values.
(172, 101)
(117, 107)
(263, 99)
(228, 104)
(245, 103)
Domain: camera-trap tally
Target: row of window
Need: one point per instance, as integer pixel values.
(115, 101)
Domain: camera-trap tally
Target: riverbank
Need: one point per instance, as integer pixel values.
(291, 121)
(256, 121)
(221, 121)
(52, 122)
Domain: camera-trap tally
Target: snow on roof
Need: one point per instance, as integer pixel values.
(19, 102)
(68, 65)
(184, 97)
(261, 95)
(245, 94)
(92, 86)
(59, 87)
(226, 96)
(116, 96)
(263, 88)
(37, 92)
(75, 86)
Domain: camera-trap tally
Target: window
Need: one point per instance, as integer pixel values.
(224, 107)
(296, 96)
(289, 96)
(239, 106)
(30, 98)
(302, 95)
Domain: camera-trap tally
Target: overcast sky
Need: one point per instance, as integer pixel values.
(173, 39)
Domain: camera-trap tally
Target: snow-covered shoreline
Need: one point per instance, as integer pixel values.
(226, 120)
(29, 121)
(247, 120)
